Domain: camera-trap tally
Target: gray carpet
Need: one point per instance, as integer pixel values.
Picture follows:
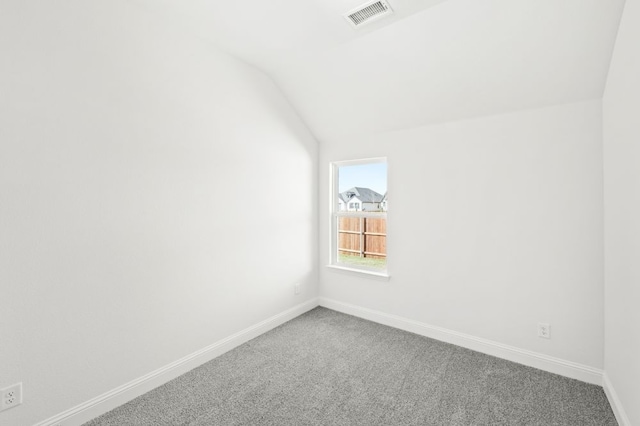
(327, 368)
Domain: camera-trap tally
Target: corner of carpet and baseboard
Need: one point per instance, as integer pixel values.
(511, 353)
(109, 400)
(614, 401)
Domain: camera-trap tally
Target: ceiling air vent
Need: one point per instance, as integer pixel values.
(368, 12)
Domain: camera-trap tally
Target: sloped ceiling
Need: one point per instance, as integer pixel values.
(432, 61)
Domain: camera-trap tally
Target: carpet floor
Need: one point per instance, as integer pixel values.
(328, 368)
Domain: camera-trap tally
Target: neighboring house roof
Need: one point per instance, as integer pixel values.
(365, 195)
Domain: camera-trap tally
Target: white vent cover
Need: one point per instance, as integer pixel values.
(368, 12)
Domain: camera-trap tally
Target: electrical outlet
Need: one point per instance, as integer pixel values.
(296, 288)
(11, 396)
(544, 330)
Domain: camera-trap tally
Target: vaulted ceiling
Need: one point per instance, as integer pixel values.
(431, 61)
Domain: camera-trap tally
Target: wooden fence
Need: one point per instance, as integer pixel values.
(363, 236)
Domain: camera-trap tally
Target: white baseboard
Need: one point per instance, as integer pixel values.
(122, 394)
(614, 401)
(532, 359)
(118, 396)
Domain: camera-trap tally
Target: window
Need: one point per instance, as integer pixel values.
(359, 228)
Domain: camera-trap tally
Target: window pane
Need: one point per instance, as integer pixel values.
(362, 187)
(362, 241)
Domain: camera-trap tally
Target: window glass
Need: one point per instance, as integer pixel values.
(359, 219)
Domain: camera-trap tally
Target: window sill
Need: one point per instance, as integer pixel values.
(382, 276)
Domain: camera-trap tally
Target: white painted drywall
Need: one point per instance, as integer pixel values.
(128, 151)
(456, 60)
(621, 108)
(430, 61)
(495, 225)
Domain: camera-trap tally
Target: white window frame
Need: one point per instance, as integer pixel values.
(336, 213)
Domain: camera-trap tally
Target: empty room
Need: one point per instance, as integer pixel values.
(319, 212)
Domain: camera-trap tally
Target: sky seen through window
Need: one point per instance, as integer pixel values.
(372, 176)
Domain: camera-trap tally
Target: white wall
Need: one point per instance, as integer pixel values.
(457, 59)
(127, 149)
(622, 215)
(496, 225)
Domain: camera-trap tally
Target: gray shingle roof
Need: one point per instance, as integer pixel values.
(365, 195)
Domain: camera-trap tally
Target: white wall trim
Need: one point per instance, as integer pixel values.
(614, 401)
(118, 396)
(511, 353)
